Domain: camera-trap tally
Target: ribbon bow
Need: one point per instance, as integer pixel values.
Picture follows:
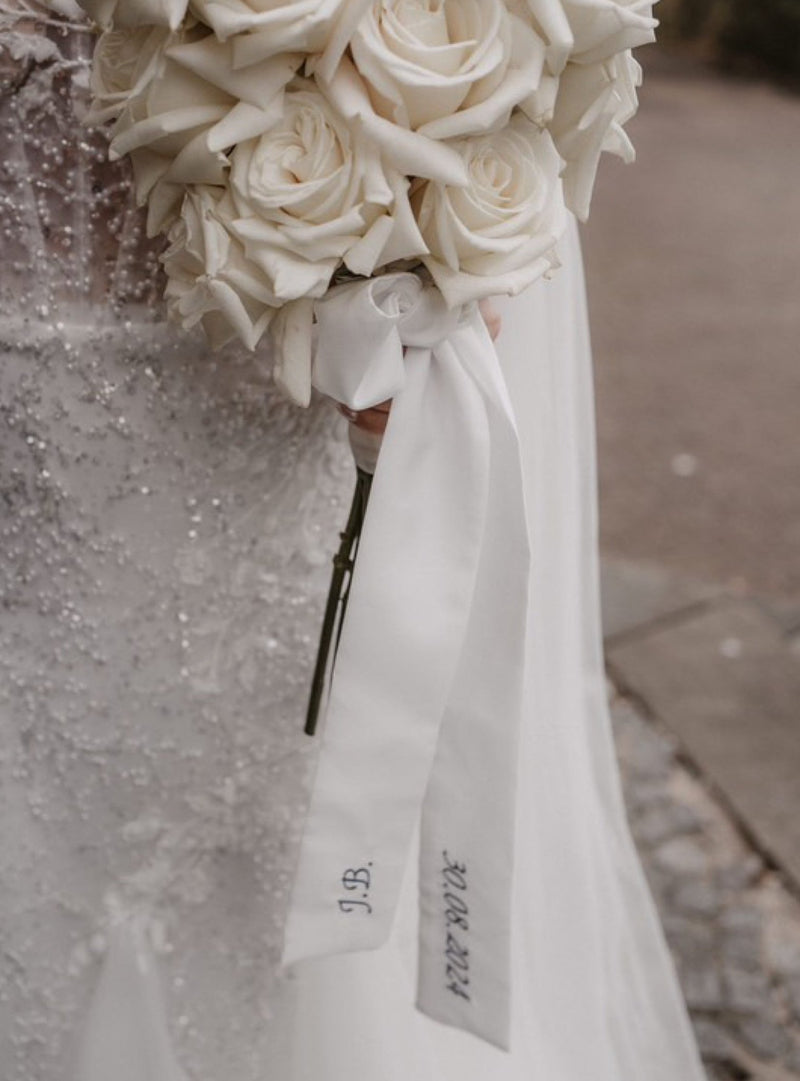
(425, 701)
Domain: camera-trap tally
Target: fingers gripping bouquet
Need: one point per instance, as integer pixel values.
(349, 177)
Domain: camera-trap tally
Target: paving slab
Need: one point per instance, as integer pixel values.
(732, 924)
(726, 683)
(693, 267)
(636, 595)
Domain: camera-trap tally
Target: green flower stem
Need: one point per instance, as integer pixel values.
(338, 594)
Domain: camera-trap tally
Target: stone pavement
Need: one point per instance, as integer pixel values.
(722, 671)
(730, 918)
(705, 714)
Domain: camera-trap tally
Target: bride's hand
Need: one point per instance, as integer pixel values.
(374, 420)
(491, 317)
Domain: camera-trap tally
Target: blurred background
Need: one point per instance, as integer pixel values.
(693, 274)
(694, 271)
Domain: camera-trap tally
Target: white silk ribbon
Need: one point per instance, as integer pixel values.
(424, 708)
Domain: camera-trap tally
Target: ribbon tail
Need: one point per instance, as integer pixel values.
(467, 835)
(425, 704)
(126, 1036)
(400, 647)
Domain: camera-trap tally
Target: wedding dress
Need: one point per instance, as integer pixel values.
(166, 524)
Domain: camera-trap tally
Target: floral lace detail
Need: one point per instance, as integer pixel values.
(166, 524)
(166, 528)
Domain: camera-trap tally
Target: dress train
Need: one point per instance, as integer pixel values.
(595, 992)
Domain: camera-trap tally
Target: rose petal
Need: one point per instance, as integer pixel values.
(291, 335)
(212, 61)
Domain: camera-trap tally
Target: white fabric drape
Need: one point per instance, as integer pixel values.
(426, 697)
(594, 990)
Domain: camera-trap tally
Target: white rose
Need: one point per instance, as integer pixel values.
(588, 31)
(498, 234)
(446, 68)
(266, 27)
(136, 12)
(164, 131)
(593, 103)
(603, 28)
(409, 152)
(209, 279)
(192, 108)
(312, 193)
(124, 63)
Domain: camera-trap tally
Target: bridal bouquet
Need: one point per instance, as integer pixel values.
(285, 145)
(349, 177)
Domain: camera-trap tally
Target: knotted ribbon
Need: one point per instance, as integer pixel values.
(424, 707)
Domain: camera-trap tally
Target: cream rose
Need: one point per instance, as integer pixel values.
(312, 193)
(192, 108)
(603, 28)
(136, 12)
(209, 279)
(593, 103)
(588, 31)
(498, 234)
(266, 27)
(124, 63)
(446, 68)
(164, 131)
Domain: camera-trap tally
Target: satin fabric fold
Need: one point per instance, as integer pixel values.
(424, 708)
(595, 990)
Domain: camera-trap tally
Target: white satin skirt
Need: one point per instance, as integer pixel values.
(595, 996)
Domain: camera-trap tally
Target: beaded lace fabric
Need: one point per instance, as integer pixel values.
(166, 523)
